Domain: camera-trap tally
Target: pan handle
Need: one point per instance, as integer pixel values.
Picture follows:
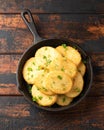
(31, 24)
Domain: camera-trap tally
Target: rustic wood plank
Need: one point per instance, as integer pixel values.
(78, 21)
(9, 63)
(16, 111)
(86, 30)
(53, 6)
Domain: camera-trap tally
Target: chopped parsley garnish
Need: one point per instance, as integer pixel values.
(62, 69)
(32, 76)
(74, 47)
(40, 97)
(77, 90)
(39, 68)
(41, 81)
(30, 69)
(64, 46)
(84, 61)
(48, 61)
(44, 89)
(59, 77)
(44, 57)
(34, 99)
(64, 89)
(33, 63)
(50, 97)
(63, 99)
(29, 88)
(38, 88)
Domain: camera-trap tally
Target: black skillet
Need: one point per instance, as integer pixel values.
(39, 42)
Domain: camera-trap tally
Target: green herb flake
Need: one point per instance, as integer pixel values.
(29, 88)
(30, 69)
(39, 68)
(64, 89)
(41, 81)
(77, 90)
(34, 99)
(32, 76)
(64, 46)
(48, 61)
(40, 97)
(44, 57)
(50, 97)
(38, 88)
(44, 89)
(62, 69)
(74, 47)
(63, 99)
(84, 61)
(33, 63)
(59, 77)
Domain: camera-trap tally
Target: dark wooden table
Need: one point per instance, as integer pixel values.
(81, 21)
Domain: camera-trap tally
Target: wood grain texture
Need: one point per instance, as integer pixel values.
(9, 63)
(53, 6)
(86, 30)
(87, 115)
(80, 21)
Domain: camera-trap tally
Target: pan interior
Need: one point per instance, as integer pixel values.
(54, 43)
